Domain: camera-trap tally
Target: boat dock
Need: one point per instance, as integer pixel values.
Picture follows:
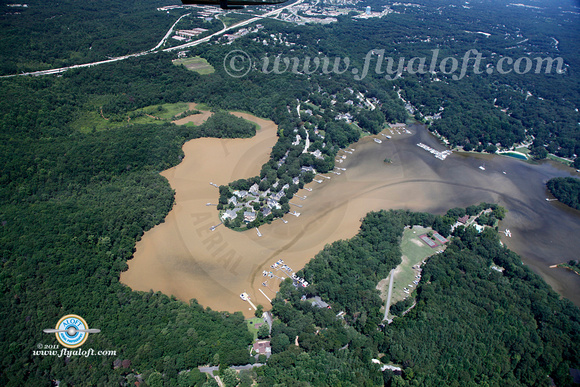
(439, 155)
(244, 296)
(259, 233)
(264, 294)
(297, 205)
(212, 228)
(214, 184)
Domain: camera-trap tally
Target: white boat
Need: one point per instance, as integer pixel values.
(378, 141)
(244, 296)
(482, 167)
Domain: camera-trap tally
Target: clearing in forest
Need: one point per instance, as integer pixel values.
(197, 64)
(414, 252)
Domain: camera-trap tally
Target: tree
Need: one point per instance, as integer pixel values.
(539, 153)
(230, 378)
(155, 380)
(259, 310)
(491, 148)
(264, 331)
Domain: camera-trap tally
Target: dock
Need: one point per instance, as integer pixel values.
(264, 294)
(259, 233)
(212, 228)
(297, 205)
(214, 184)
(244, 296)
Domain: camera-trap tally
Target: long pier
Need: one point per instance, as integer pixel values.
(265, 295)
(297, 205)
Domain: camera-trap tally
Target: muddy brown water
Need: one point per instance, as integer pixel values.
(182, 257)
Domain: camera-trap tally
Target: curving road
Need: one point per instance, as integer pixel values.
(275, 12)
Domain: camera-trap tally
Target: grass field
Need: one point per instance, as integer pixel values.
(523, 149)
(91, 119)
(414, 251)
(197, 64)
(251, 326)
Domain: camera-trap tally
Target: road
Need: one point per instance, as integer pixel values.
(272, 13)
(168, 34)
(210, 370)
(388, 306)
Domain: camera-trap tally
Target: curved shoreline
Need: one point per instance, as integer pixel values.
(184, 258)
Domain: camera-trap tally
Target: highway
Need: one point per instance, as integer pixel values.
(272, 13)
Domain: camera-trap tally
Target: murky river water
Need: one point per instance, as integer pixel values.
(183, 257)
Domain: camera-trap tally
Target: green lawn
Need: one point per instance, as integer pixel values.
(91, 118)
(414, 251)
(558, 159)
(251, 323)
(523, 149)
(197, 64)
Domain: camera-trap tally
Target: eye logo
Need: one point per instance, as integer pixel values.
(72, 331)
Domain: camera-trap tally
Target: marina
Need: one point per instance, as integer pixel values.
(438, 154)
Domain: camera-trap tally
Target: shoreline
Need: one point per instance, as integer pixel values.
(186, 259)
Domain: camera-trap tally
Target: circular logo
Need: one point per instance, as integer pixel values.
(72, 331)
(237, 63)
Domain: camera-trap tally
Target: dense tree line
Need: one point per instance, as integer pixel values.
(50, 35)
(566, 190)
(73, 206)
